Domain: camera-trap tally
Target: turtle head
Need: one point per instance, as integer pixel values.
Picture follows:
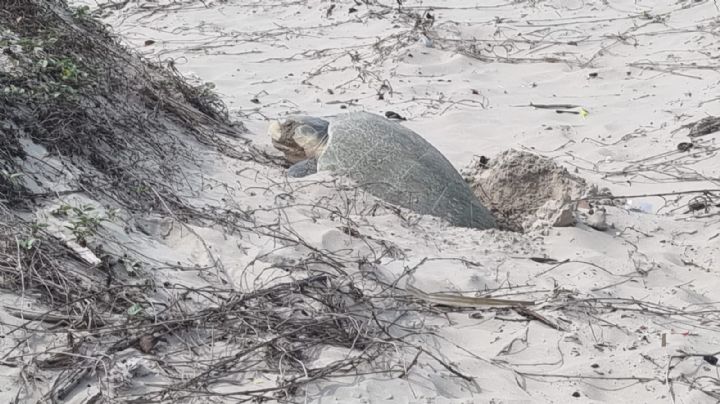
(299, 138)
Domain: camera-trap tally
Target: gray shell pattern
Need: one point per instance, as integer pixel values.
(399, 166)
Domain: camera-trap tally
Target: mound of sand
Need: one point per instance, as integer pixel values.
(526, 190)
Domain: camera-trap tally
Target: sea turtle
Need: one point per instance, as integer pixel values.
(385, 158)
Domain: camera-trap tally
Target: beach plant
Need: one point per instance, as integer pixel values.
(81, 12)
(27, 243)
(83, 220)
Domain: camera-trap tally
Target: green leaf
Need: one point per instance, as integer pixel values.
(135, 309)
(27, 244)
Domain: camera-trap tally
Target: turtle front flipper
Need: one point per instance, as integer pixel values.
(302, 168)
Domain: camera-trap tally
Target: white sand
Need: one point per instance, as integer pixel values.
(655, 64)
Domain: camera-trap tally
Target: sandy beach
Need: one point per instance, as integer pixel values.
(625, 311)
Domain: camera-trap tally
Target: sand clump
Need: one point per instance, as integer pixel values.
(526, 190)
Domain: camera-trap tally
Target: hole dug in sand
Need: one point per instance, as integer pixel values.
(526, 191)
